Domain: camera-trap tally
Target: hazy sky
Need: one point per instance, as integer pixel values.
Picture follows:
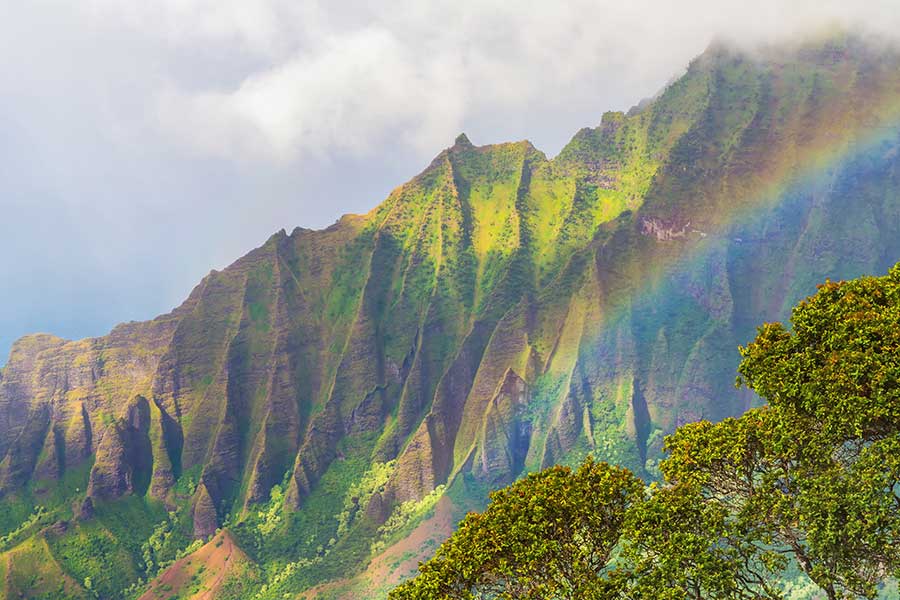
(143, 143)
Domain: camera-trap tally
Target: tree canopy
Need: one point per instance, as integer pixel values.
(548, 535)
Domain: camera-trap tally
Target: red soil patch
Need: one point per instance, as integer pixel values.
(203, 571)
(397, 563)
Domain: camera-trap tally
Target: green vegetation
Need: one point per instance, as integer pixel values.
(27, 527)
(546, 536)
(121, 533)
(169, 541)
(404, 516)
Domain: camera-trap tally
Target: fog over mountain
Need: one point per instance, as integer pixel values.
(142, 145)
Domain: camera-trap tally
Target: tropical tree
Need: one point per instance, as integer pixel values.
(678, 544)
(549, 535)
(815, 475)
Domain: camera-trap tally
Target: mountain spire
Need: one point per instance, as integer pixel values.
(462, 140)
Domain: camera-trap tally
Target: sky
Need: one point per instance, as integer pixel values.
(144, 143)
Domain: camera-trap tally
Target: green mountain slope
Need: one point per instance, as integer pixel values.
(335, 390)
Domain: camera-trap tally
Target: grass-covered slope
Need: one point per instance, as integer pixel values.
(332, 390)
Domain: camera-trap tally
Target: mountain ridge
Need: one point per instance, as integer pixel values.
(498, 313)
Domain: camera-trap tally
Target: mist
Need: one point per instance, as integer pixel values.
(143, 144)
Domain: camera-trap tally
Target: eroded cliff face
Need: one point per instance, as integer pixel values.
(499, 313)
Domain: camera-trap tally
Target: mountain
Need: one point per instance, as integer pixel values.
(336, 399)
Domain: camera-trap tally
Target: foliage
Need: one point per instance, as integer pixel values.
(169, 542)
(360, 493)
(403, 515)
(37, 518)
(815, 475)
(548, 535)
(116, 535)
(677, 545)
(270, 517)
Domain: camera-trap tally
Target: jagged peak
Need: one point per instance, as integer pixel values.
(462, 141)
(32, 344)
(276, 238)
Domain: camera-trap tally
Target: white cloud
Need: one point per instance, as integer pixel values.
(329, 78)
(142, 143)
(342, 98)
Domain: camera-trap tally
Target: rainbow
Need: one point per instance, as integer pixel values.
(846, 133)
(791, 169)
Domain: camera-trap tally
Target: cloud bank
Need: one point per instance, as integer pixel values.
(143, 143)
(337, 78)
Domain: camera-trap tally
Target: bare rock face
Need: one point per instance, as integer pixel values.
(18, 385)
(206, 520)
(22, 455)
(124, 457)
(378, 510)
(112, 475)
(663, 231)
(414, 476)
(78, 436)
(86, 509)
(60, 527)
(506, 433)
